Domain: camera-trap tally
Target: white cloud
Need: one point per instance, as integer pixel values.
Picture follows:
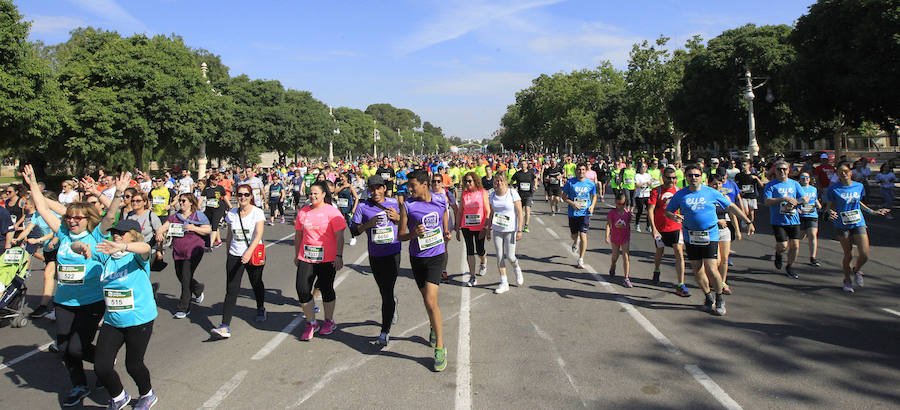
(112, 12)
(461, 17)
(501, 85)
(55, 24)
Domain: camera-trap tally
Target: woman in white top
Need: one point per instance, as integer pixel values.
(244, 233)
(886, 180)
(506, 223)
(642, 182)
(68, 194)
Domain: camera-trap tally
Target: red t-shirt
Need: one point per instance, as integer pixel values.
(317, 243)
(662, 222)
(824, 172)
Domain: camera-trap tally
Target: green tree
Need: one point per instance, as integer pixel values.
(393, 117)
(255, 109)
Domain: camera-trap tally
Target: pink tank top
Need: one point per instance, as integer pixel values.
(474, 212)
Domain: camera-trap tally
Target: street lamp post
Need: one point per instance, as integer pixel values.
(375, 139)
(337, 131)
(202, 161)
(753, 145)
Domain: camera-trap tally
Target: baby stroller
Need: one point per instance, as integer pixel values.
(14, 264)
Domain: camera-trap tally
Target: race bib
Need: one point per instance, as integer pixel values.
(383, 234)
(385, 176)
(14, 218)
(786, 208)
(314, 253)
(70, 274)
(554, 181)
(119, 300)
(524, 186)
(628, 181)
(343, 203)
(473, 219)
(158, 200)
(582, 203)
(502, 221)
(654, 182)
(176, 230)
(431, 239)
(699, 237)
(851, 217)
(746, 189)
(13, 256)
(240, 235)
(807, 209)
(212, 203)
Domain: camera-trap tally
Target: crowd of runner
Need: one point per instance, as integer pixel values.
(101, 235)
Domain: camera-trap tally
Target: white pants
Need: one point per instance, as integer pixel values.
(505, 247)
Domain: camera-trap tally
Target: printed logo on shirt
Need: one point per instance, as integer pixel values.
(431, 220)
(695, 203)
(850, 197)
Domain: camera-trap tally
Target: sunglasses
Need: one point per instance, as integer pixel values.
(804, 177)
(76, 218)
(137, 200)
(183, 200)
(692, 175)
(436, 181)
(244, 195)
(782, 169)
(670, 176)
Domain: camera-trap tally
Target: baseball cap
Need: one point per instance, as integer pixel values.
(126, 225)
(375, 180)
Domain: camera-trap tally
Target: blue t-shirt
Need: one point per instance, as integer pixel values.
(42, 229)
(845, 201)
(275, 192)
(383, 236)
(79, 278)
(783, 213)
(127, 290)
(580, 192)
(811, 194)
(401, 179)
(699, 210)
(730, 190)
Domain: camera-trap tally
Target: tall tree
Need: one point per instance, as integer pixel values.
(393, 117)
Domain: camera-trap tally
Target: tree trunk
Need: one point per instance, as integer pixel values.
(677, 146)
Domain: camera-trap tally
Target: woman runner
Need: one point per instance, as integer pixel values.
(474, 207)
(506, 223)
(186, 228)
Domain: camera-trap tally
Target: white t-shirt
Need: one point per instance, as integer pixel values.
(257, 186)
(109, 192)
(67, 198)
(238, 244)
(504, 209)
(643, 192)
(146, 186)
(185, 185)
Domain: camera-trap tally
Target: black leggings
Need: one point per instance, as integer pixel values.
(640, 204)
(474, 242)
(184, 271)
(384, 270)
(279, 206)
(76, 327)
(234, 271)
(307, 273)
(135, 339)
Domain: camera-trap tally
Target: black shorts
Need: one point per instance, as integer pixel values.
(579, 224)
(50, 256)
(857, 230)
(671, 238)
(806, 223)
(733, 229)
(554, 190)
(527, 200)
(697, 252)
(785, 232)
(427, 269)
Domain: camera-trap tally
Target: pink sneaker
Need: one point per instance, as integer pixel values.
(309, 330)
(327, 327)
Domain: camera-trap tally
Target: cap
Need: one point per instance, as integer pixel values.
(716, 160)
(126, 225)
(823, 156)
(375, 180)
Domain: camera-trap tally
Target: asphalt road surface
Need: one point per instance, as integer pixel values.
(568, 338)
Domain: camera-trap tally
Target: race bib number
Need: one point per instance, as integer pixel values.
(502, 221)
(699, 237)
(851, 217)
(314, 253)
(807, 209)
(212, 203)
(176, 230)
(746, 189)
(654, 182)
(524, 186)
(383, 234)
(70, 274)
(13, 256)
(554, 181)
(582, 203)
(119, 300)
(473, 219)
(240, 234)
(431, 239)
(385, 176)
(343, 203)
(628, 181)
(786, 208)
(158, 200)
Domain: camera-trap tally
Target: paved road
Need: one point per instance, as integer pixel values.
(566, 339)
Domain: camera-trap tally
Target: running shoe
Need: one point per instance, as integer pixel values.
(146, 402)
(656, 277)
(208, 250)
(51, 315)
(730, 263)
(41, 311)
(627, 283)
(261, 314)
(612, 271)
(282, 219)
(77, 394)
(575, 247)
(396, 311)
(383, 339)
(848, 287)
(580, 264)
(440, 359)
(520, 278)
(482, 270)
(119, 404)
(180, 315)
(444, 277)
(432, 338)
(709, 303)
(814, 262)
(503, 288)
(328, 327)
(790, 272)
(309, 331)
(316, 308)
(649, 229)
(858, 279)
(53, 348)
(352, 241)
(473, 280)
(682, 290)
(199, 299)
(726, 290)
(720, 305)
(222, 331)
(525, 229)
(778, 263)
(637, 228)
(270, 223)
(218, 244)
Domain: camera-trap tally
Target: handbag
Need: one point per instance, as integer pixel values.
(258, 258)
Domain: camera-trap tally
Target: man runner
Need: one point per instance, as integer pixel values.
(783, 197)
(524, 180)
(666, 231)
(581, 196)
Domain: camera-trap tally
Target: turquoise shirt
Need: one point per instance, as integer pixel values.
(127, 290)
(79, 278)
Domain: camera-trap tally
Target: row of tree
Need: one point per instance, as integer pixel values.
(101, 99)
(835, 72)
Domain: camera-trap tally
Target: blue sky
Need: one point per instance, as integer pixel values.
(456, 63)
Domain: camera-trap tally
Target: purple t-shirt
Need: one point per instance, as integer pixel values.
(383, 237)
(430, 214)
(185, 246)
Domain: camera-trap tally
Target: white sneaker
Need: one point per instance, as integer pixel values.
(472, 281)
(520, 279)
(482, 270)
(637, 228)
(858, 279)
(352, 241)
(503, 288)
(199, 299)
(580, 263)
(847, 286)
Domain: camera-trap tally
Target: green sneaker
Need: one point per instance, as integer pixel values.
(526, 229)
(432, 339)
(440, 359)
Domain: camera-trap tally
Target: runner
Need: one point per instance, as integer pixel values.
(627, 184)
(643, 182)
(246, 223)
(69, 194)
(667, 232)
(750, 185)
(506, 223)
(524, 181)
(886, 180)
(809, 217)
(424, 225)
(581, 196)
(186, 228)
(437, 187)
(552, 178)
(474, 208)
(277, 193)
(726, 230)
(346, 200)
(319, 245)
(38, 232)
(783, 197)
(618, 235)
(378, 217)
(844, 208)
(216, 203)
(387, 173)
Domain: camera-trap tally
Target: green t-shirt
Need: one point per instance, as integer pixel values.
(679, 175)
(655, 178)
(454, 174)
(612, 181)
(570, 170)
(628, 178)
(480, 171)
(308, 179)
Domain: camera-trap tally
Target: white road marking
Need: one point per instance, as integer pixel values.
(280, 240)
(463, 368)
(701, 377)
(559, 360)
(224, 391)
(41, 348)
(552, 233)
(540, 221)
(891, 311)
